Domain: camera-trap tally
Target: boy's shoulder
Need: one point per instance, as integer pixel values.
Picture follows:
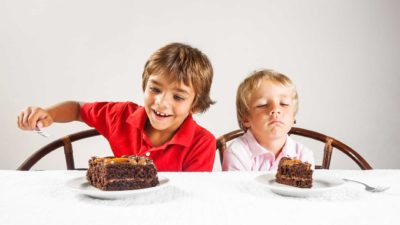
(112, 106)
(129, 106)
(238, 144)
(112, 110)
(203, 131)
(123, 105)
(191, 126)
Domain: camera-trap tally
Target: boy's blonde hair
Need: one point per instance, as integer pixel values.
(183, 63)
(251, 83)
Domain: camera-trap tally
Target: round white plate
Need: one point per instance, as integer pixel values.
(321, 184)
(82, 186)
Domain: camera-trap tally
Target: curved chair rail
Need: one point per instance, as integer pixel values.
(330, 143)
(65, 142)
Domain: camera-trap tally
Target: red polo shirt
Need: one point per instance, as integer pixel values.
(192, 148)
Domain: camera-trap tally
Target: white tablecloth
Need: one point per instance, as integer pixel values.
(42, 197)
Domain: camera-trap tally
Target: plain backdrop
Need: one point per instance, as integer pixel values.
(343, 55)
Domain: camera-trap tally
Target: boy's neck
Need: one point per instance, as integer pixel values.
(156, 137)
(273, 145)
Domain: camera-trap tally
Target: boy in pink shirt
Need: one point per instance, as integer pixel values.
(266, 105)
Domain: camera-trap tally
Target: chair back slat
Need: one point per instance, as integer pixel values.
(69, 154)
(326, 161)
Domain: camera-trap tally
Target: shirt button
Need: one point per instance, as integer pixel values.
(147, 153)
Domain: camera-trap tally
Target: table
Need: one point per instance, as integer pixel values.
(42, 197)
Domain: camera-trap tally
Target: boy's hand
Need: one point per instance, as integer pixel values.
(33, 117)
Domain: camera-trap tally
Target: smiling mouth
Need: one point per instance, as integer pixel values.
(160, 114)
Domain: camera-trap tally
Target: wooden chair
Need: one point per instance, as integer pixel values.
(65, 142)
(330, 144)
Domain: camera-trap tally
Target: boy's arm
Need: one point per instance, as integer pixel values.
(33, 117)
(202, 156)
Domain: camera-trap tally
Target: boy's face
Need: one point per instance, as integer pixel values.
(167, 104)
(272, 111)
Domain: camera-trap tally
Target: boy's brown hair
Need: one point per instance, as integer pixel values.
(183, 63)
(251, 83)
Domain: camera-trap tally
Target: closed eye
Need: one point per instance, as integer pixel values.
(262, 105)
(179, 98)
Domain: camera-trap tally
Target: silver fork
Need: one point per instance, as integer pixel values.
(367, 187)
(41, 132)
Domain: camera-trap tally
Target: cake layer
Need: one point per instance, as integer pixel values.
(295, 181)
(294, 172)
(122, 173)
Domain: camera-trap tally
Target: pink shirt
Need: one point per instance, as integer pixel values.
(245, 154)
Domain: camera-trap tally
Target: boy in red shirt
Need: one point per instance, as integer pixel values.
(176, 82)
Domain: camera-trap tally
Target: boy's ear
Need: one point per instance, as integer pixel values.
(246, 123)
(193, 111)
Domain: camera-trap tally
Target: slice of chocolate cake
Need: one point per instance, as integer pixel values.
(122, 173)
(294, 172)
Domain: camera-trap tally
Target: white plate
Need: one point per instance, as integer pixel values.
(321, 184)
(82, 186)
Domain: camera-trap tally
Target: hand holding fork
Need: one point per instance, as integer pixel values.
(34, 118)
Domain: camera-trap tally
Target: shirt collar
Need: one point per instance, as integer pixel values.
(289, 149)
(185, 132)
(183, 136)
(255, 148)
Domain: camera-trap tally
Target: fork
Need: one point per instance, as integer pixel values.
(367, 187)
(41, 132)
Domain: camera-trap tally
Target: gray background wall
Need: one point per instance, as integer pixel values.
(343, 55)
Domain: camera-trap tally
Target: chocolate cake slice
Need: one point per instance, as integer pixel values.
(294, 172)
(122, 173)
